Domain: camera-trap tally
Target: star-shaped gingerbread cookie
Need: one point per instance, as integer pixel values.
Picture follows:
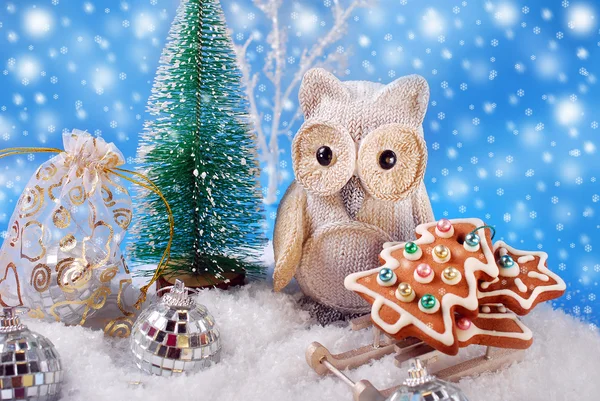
(524, 280)
(424, 283)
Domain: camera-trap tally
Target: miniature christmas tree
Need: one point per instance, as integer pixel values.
(198, 148)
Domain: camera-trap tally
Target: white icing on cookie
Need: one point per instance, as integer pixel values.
(520, 285)
(485, 285)
(412, 256)
(448, 301)
(454, 281)
(527, 303)
(470, 248)
(466, 335)
(486, 309)
(525, 259)
(446, 234)
(512, 271)
(387, 283)
(431, 311)
(439, 260)
(539, 276)
(409, 298)
(423, 280)
(502, 309)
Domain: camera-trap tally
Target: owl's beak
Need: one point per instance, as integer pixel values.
(353, 196)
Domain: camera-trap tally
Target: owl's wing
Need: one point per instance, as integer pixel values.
(288, 236)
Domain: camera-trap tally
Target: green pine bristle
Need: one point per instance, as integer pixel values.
(199, 149)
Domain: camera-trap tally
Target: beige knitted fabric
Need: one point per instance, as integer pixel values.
(334, 219)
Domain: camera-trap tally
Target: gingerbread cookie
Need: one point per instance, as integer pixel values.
(495, 326)
(423, 284)
(524, 280)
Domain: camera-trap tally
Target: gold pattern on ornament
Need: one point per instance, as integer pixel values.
(111, 160)
(98, 263)
(46, 173)
(122, 217)
(15, 232)
(123, 284)
(52, 187)
(107, 275)
(119, 188)
(31, 201)
(79, 171)
(124, 263)
(73, 275)
(40, 237)
(11, 267)
(77, 195)
(61, 217)
(67, 243)
(95, 301)
(36, 313)
(119, 327)
(41, 276)
(107, 196)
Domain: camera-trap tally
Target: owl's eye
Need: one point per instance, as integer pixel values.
(387, 159)
(324, 155)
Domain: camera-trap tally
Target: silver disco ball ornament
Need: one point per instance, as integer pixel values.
(175, 335)
(421, 386)
(31, 368)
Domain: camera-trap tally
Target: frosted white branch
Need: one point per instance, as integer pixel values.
(284, 80)
(250, 80)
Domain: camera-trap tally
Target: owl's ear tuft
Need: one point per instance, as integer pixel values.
(408, 96)
(318, 86)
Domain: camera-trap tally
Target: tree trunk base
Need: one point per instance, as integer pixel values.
(198, 282)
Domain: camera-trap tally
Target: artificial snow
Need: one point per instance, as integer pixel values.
(265, 335)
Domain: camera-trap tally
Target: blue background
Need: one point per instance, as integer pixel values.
(512, 126)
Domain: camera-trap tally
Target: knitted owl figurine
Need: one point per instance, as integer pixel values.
(359, 161)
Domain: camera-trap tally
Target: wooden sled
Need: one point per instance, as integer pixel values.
(323, 362)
